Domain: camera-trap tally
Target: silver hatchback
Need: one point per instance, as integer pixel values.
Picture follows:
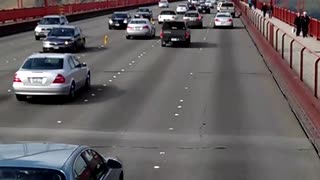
(140, 28)
(50, 74)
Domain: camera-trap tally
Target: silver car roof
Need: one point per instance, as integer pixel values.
(137, 19)
(50, 55)
(66, 26)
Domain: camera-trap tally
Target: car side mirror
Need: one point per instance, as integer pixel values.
(113, 164)
(83, 64)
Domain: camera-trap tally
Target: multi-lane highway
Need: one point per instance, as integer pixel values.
(211, 111)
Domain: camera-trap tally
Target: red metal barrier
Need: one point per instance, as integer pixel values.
(32, 13)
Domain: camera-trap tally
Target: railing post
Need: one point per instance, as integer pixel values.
(277, 39)
(291, 47)
(282, 45)
(263, 26)
(316, 78)
(301, 63)
(267, 34)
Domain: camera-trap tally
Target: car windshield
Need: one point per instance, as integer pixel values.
(227, 5)
(143, 10)
(63, 32)
(174, 25)
(223, 15)
(191, 15)
(167, 13)
(30, 174)
(138, 22)
(43, 64)
(49, 21)
(122, 16)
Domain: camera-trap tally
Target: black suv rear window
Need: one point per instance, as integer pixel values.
(174, 26)
(227, 5)
(167, 13)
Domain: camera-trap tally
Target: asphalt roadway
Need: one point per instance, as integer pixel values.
(211, 111)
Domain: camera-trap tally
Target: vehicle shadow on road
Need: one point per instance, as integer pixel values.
(203, 45)
(93, 49)
(96, 94)
(144, 38)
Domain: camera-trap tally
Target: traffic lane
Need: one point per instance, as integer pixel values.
(102, 78)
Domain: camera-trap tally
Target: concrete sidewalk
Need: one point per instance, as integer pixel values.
(306, 70)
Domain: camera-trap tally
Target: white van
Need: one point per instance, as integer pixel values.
(227, 7)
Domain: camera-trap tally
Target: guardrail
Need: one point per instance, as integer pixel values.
(37, 12)
(288, 17)
(300, 59)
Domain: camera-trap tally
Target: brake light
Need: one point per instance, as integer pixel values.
(217, 20)
(145, 27)
(187, 35)
(230, 20)
(16, 78)
(161, 34)
(129, 27)
(59, 79)
(199, 17)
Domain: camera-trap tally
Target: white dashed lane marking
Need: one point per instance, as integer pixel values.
(171, 129)
(179, 107)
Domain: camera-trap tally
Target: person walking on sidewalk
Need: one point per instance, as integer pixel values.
(250, 4)
(270, 10)
(298, 24)
(264, 9)
(305, 24)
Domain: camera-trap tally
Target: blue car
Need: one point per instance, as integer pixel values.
(45, 161)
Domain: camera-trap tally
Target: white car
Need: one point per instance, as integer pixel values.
(195, 2)
(167, 15)
(182, 8)
(47, 23)
(227, 7)
(210, 3)
(163, 4)
(223, 19)
(50, 74)
(140, 28)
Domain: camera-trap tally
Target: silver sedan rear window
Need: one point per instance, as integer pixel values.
(43, 64)
(138, 22)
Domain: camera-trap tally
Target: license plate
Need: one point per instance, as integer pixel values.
(174, 39)
(55, 47)
(37, 80)
(117, 24)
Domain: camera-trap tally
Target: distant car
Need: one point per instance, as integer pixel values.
(203, 8)
(145, 10)
(195, 2)
(119, 20)
(44, 161)
(223, 19)
(47, 23)
(65, 38)
(182, 8)
(140, 28)
(50, 74)
(228, 7)
(167, 15)
(210, 3)
(193, 19)
(191, 7)
(163, 4)
(175, 32)
(143, 15)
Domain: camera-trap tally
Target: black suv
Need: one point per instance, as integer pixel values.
(203, 8)
(119, 20)
(175, 32)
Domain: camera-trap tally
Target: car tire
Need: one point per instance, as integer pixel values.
(72, 92)
(37, 38)
(121, 176)
(83, 45)
(44, 50)
(110, 28)
(128, 37)
(88, 81)
(201, 26)
(21, 97)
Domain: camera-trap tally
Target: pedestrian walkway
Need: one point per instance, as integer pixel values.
(300, 53)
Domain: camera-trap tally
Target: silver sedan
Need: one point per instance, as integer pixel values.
(140, 28)
(50, 74)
